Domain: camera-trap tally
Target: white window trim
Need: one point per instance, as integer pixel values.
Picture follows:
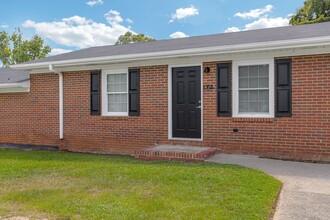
(105, 95)
(235, 98)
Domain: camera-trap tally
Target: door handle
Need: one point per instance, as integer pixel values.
(199, 107)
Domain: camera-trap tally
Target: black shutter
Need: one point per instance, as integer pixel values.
(134, 92)
(283, 93)
(95, 92)
(224, 89)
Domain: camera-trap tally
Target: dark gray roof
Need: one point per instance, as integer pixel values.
(9, 75)
(226, 39)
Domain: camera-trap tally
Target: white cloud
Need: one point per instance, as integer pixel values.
(4, 26)
(267, 23)
(261, 20)
(80, 32)
(94, 2)
(113, 17)
(255, 13)
(182, 13)
(232, 29)
(76, 20)
(57, 51)
(262, 23)
(178, 34)
(129, 21)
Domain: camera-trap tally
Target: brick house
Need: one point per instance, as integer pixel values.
(264, 92)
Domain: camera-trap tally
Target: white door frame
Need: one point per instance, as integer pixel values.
(170, 116)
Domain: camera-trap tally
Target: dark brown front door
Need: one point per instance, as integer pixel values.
(186, 102)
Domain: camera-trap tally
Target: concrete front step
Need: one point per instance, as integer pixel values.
(176, 152)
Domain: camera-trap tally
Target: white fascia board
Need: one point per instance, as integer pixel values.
(23, 84)
(9, 85)
(239, 48)
(15, 87)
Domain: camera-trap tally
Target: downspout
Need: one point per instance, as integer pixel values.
(60, 76)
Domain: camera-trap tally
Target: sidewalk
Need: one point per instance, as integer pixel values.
(306, 186)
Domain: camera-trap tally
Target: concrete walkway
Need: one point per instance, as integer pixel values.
(306, 186)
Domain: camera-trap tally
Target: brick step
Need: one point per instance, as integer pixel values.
(176, 153)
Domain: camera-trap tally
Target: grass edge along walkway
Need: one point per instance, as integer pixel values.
(61, 185)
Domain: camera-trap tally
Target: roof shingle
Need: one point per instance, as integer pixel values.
(9, 75)
(226, 39)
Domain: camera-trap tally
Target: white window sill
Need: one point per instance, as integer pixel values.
(253, 116)
(116, 114)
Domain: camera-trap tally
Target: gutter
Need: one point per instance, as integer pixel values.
(238, 48)
(61, 99)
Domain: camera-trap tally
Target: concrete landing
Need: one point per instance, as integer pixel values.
(176, 152)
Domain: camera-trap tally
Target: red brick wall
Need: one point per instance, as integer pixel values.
(304, 136)
(120, 135)
(31, 118)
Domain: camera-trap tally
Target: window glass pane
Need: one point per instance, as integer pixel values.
(254, 101)
(243, 107)
(122, 107)
(110, 81)
(123, 87)
(111, 98)
(123, 78)
(263, 95)
(253, 96)
(263, 70)
(117, 92)
(253, 82)
(117, 103)
(111, 107)
(253, 71)
(263, 82)
(243, 71)
(117, 87)
(110, 78)
(117, 78)
(244, 83)
(117, 82)
(263, 107)
(117, 98)
(124, 98)
(244, 96)
(253, 107)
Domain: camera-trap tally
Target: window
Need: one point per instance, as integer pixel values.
(116, 96)
(253, 89)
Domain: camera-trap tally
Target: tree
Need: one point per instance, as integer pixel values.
(129, 37)
(313, 11)
(13, 49)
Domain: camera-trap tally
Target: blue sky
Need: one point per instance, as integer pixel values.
(74, 24)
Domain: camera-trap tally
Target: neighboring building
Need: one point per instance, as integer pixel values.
(12, 80)
(264, 92)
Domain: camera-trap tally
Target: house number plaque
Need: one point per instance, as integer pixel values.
(208, 87)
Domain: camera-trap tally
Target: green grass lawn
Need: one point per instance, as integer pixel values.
(58, 185)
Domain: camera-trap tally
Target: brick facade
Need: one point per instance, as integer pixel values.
(32, 118)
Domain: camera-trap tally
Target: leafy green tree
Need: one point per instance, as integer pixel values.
(13, 49)
(313, 11)
(129, 37)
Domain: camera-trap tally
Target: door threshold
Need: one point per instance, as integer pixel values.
(185, 139)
